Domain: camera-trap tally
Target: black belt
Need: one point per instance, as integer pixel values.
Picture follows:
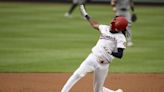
(123, 9)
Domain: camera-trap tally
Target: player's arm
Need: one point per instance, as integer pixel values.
(132, 5)
(92, 22)
(133, 14)
(119, 53)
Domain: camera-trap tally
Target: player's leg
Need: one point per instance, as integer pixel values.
(68, 14)
(99, 78)
(129, 35)
(71, 81)
(72, 8)
(129, 31)
(78, 74)
(100, 75)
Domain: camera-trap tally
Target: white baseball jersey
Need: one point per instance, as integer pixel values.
(107, 43)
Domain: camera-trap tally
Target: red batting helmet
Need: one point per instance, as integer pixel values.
(119, 23)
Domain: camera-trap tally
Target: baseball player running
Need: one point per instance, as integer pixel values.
(111, 43)
(73, 7)
(121, 8)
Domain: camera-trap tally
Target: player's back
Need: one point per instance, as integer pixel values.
(123, 4)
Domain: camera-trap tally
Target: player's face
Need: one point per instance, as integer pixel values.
(113, 29)
(112, 25)
(117, 30)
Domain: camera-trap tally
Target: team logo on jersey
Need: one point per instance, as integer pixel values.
(106, 37)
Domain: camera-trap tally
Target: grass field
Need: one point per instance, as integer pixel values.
(36, 37)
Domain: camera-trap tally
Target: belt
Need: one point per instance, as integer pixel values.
(100, 60)
(123, 9)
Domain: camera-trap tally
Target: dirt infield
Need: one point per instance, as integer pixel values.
(53, 82)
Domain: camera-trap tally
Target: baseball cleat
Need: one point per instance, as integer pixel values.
(119, 90)
(67, 15)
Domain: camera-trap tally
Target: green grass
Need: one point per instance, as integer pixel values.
(37, 37)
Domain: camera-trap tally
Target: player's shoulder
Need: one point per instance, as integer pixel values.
(104, 27)
(120, 36)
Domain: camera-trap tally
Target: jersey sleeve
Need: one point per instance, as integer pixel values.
(121, 42)
(102, 28)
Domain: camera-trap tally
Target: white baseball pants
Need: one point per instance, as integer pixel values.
(90, 64)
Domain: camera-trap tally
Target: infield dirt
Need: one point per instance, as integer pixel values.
(53, 82)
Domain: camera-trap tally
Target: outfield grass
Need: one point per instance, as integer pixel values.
(38, 38)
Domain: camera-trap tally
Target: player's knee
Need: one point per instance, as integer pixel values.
(80, 75)
(80, 72)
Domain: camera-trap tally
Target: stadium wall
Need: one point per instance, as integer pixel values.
(158, 2)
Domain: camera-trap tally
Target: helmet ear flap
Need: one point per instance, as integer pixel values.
(113, 24)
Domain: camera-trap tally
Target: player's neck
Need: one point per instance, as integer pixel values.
(114, 32)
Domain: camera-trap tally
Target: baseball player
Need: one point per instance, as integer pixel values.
(73, 7)
(121, 8)
(111, 43)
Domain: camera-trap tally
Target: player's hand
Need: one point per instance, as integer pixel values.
(133, 17)
(114, 9)
(93, 23)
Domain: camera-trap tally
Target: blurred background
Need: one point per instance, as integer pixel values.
(93, 1)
